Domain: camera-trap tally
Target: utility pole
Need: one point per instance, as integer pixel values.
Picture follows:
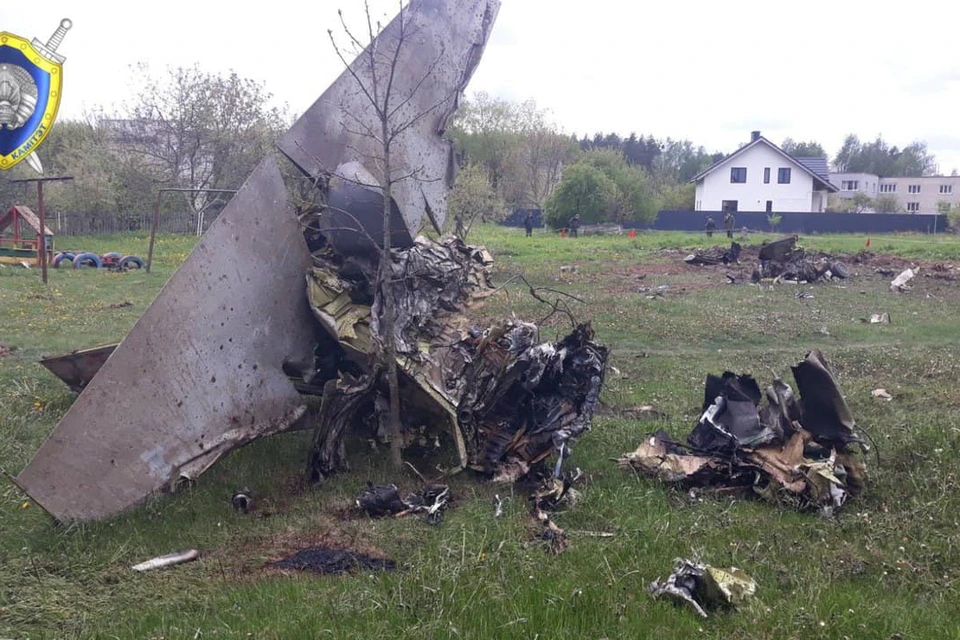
(42, 249)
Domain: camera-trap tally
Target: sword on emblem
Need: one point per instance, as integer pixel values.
(49, 51)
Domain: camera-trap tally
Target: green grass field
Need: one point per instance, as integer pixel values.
(890, 564)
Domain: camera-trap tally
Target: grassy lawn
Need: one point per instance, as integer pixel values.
(890, 564)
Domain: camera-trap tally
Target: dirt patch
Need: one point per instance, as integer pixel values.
(324, 560)
(6, 350)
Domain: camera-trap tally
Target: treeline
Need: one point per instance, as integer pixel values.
(186, 129)
(190, 129)
(518, 158)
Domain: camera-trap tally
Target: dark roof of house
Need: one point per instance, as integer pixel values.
(817, 164)
(822, 178)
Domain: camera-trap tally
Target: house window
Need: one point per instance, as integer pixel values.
(783, 175)
(943, 207)
(913, 206)
(766, 175)
(913, 188)
(946, 188)
(888, 188)
(849, 185)
(738, 175)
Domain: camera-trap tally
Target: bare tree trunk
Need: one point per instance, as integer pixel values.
(389, 313)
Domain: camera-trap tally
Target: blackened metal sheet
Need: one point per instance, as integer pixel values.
(198, 375)
(77, 368)
(437, 60)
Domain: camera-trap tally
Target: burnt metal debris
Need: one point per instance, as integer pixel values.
(385, 500)
(783, 260)
(715, 255)
(503, 398)
(798, 451)
(174, 397)
(705, 587)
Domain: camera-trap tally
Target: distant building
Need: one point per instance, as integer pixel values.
(761, 176)
(924, 194)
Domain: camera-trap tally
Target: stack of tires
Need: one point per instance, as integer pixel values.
(87, 259)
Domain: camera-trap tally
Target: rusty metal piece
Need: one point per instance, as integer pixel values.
(77, 368)
(200, 374)
(444, 42)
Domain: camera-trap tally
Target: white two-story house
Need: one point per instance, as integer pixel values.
(760, 176)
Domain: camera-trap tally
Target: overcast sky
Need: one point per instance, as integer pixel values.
(707, 71)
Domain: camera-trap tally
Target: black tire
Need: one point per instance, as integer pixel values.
(839, 270)
(130, 262)
(60, 257)
(90, 259)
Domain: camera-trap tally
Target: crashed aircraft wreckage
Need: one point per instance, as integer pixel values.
(789, 450)
(208, 366)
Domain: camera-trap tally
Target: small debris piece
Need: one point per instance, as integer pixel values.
(385, 500)
(880, 318)
(569, 269)
(324, 560)
(165, 561)
(121, 305)
(900, 282)
(705, 587)
(242, 500)
(881, 394)
(498, 506)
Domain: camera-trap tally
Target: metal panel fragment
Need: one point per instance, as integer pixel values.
(200, 373)
(445, 41)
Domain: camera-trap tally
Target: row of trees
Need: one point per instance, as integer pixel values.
(193, 129)
(185, 129)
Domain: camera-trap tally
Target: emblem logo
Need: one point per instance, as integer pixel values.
(31, 79)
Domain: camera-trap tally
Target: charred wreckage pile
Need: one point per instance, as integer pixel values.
(792, 451)
(780, 260)
(499, 396)
(277, 305)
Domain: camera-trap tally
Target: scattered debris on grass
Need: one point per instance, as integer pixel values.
(782, 260)
(553, 493)
(6, 350)
(715, 255)
(881, 394)
(170, 559)
(704, 587)
(325, 560)
(899, 284)
(121, 305)
(786, 450)
(877, 318)
(385, 500)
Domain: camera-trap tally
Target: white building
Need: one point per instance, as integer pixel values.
(917, 194)
(760, 176)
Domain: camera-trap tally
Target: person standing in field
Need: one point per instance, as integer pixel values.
(528, 223)
(728, 221)
(574, 225)
(710, 226)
